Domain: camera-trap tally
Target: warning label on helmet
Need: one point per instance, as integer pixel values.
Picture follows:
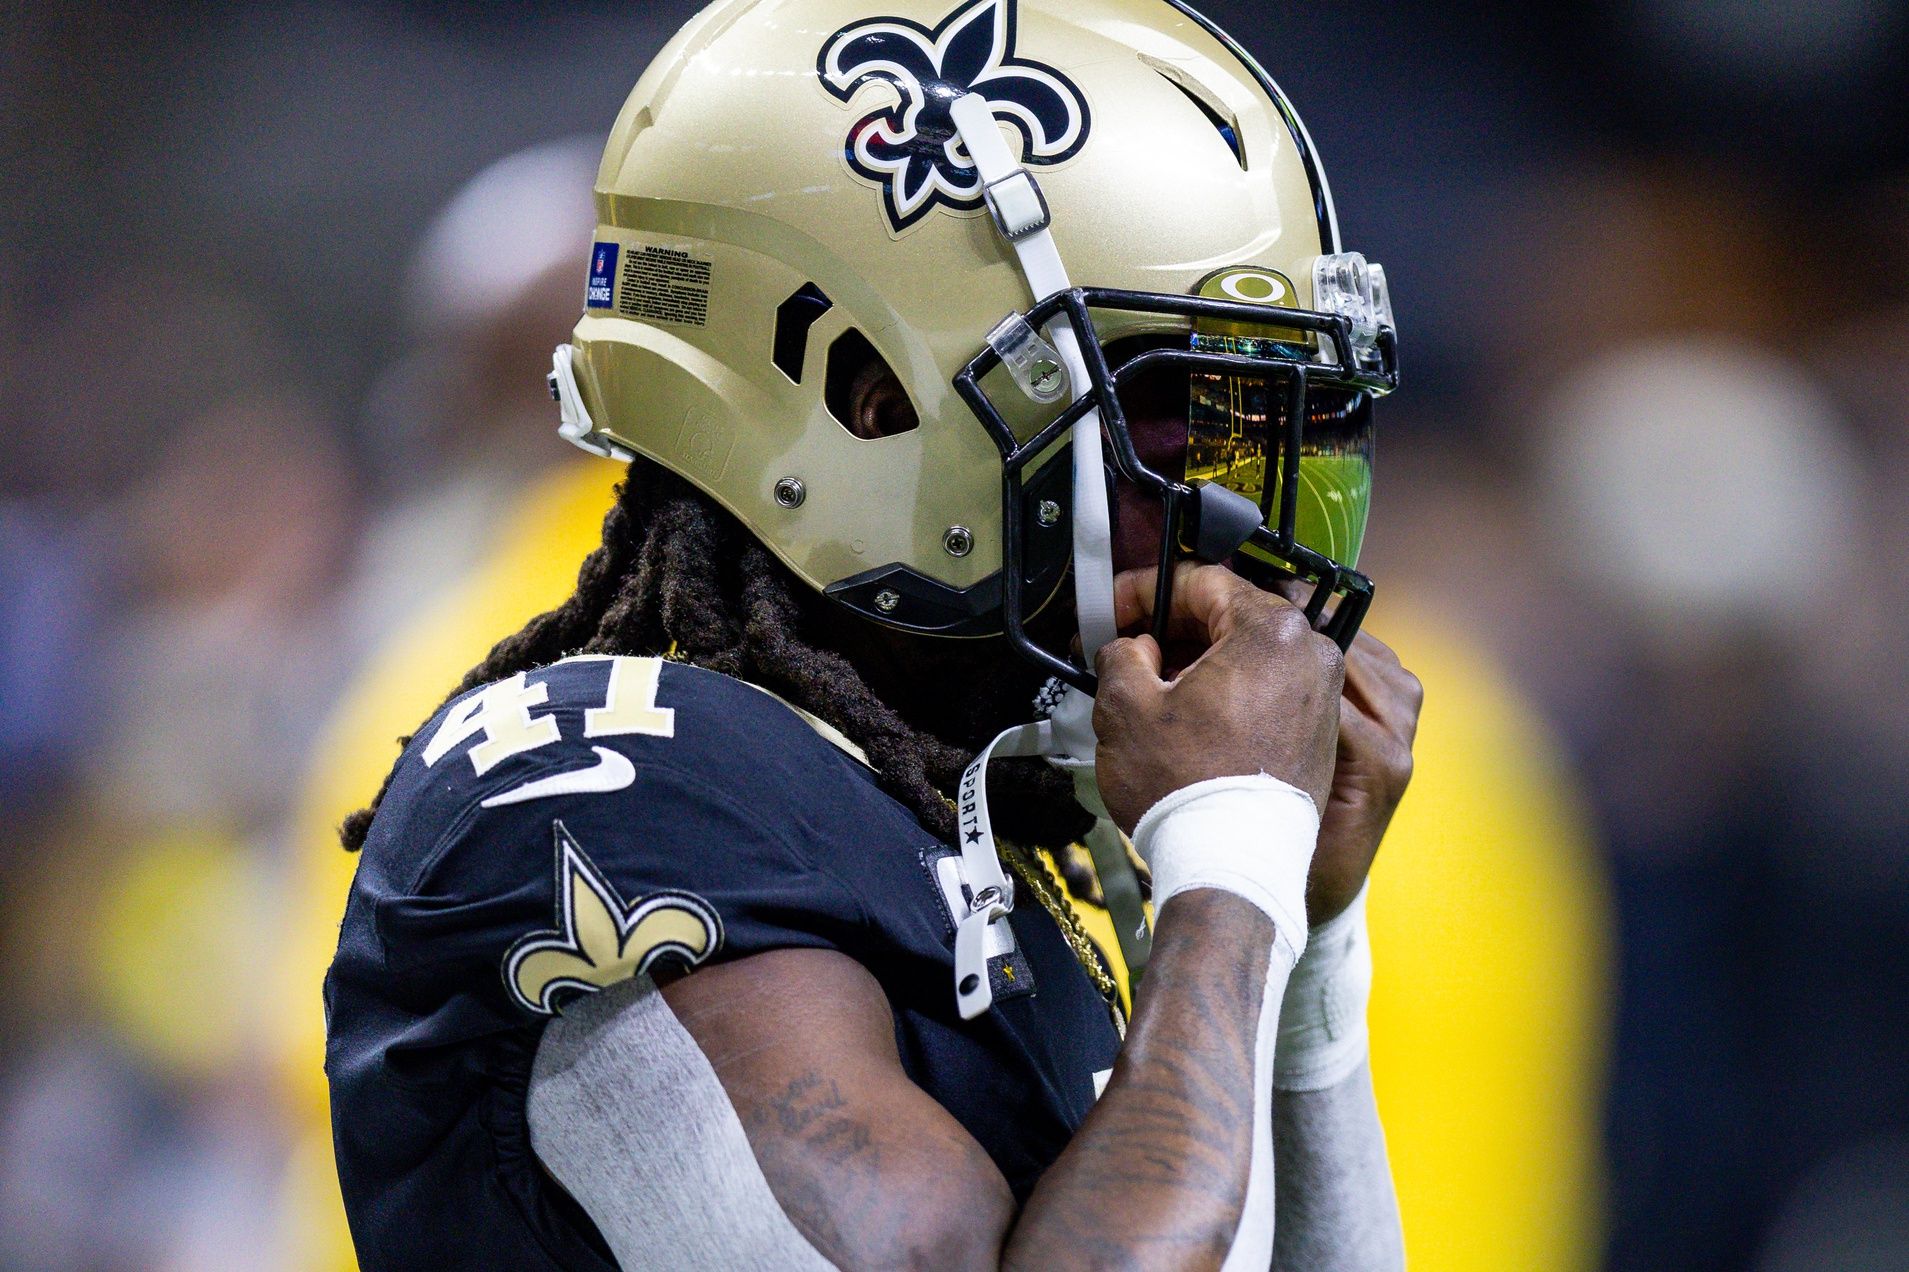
(665, 286)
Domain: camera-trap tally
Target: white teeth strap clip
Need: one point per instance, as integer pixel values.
(991, 891)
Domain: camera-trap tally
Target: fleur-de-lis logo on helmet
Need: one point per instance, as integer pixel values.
(599, 941)
(911, 149)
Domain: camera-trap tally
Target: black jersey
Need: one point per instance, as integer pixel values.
(560, 831)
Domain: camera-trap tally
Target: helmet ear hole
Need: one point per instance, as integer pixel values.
(863, 394)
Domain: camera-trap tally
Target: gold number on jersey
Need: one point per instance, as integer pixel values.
(501, 713)
(629, 704)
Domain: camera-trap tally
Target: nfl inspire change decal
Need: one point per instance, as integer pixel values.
(911, 150)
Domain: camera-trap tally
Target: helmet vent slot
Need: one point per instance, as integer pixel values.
(794, 317)
(1223, 122)
(863, 392)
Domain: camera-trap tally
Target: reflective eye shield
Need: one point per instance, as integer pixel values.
(1218, 508)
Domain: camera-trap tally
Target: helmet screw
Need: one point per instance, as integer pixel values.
(887, 599)
(790, 492)
(1046, 377)
(958, 541)
(1047, 512)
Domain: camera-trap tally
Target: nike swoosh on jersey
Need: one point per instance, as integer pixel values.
(612, 772)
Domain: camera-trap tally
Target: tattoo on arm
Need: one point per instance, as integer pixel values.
(875, 1174)
(809, 1121)
(871, 1170)
(1156, 1176)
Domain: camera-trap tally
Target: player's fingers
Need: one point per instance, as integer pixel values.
(1130, 670)
(1130, 687)
(1362, 678)
(1368, 647)
(1203, 602)
(1359, 734)
(1383, 690)
(1133, 597)
(1130, 665)
(1135, 590)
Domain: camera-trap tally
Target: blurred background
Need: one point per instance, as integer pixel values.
(278, 286)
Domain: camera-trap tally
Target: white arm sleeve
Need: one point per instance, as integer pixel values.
(627, 1114)
(1322, 1028)
(1337, 1211)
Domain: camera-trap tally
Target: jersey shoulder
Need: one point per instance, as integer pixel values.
(561, 832)
(574, 824)
(652, 739)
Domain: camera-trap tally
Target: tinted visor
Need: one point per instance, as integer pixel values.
(1254, 433)
(1234, 423)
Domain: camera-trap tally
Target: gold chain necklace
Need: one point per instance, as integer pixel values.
(1053, 898)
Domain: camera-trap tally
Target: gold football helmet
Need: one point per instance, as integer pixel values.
(1021, 208)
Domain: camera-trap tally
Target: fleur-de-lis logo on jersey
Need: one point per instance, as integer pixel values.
(911, 149)
(599, 941)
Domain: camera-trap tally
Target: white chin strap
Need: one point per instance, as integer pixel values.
(1021, 215)
(1067, 738)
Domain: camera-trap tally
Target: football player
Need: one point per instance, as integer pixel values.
(997, 397)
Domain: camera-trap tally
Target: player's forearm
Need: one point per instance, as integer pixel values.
(1337, 1211)
(1157, 1175)
(1336, 1207)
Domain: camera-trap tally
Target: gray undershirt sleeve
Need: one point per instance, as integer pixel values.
(1335, 1207)
(627, 1114)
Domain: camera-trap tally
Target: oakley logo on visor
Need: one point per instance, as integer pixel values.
(1254, 287)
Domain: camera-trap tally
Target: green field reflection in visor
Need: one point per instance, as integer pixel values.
(1233, 422)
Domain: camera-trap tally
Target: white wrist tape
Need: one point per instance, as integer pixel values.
(1322, 1022)
(1251, 836)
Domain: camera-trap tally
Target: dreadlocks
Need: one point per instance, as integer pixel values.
(677, 573)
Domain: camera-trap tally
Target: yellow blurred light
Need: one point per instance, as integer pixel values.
(172, 958)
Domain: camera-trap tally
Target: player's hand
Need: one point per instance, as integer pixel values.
(1378, 718)
(1261, 694)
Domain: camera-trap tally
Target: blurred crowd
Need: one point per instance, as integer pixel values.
(277, 289)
